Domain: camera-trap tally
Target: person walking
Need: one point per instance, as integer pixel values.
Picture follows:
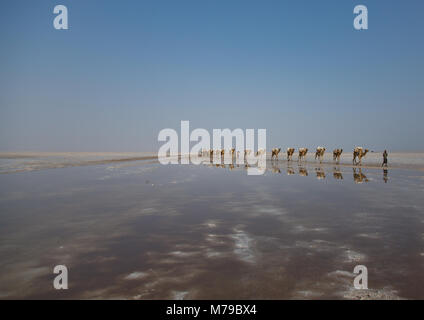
(385, 155)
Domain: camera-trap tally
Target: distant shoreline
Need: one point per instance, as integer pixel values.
(38, 154)
(14, 162)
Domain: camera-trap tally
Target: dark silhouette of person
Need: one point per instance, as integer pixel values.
(385, 155)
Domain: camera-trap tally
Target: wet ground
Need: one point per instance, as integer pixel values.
(142, 230)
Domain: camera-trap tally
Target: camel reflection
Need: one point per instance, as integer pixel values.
(359, 177)
(290, 171)
(320, 173)
(303, 172)
(275, 168)
(337, 174)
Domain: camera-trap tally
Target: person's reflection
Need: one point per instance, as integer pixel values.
(303, 172)
(385, 178)
(337, 174)
(359, 177)
(320, 173)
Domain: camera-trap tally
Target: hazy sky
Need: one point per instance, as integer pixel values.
(127, 69)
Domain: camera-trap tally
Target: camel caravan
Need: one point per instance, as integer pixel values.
(358, 153)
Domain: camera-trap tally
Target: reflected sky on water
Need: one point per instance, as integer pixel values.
(148, 231)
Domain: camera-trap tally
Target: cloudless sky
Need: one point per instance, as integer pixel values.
(127, 69)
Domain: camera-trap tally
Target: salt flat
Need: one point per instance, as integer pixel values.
(136, 229)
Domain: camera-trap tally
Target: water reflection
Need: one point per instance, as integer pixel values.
(337, 174)
(270, 234)
(303, 172)
(276, 167)
(385, 178)
(320, 173)
(358, 176)
(290, 170)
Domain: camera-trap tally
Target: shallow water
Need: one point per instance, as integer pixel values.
(142, 230)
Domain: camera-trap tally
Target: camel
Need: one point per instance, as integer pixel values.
(320, 153)
(275, 152)
(290, 152)
(359, 153)
(260, 152)
(302, 153)
(336, 154)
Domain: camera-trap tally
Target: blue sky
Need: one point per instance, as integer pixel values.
(127, 69)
